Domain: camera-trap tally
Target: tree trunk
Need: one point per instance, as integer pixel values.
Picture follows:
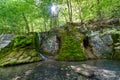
(26, 22)
(69, 5)
(98, 11)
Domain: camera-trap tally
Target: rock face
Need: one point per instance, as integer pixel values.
(21, 50)
(48, 42)
(5, 39)
(101, 45)
(62, 43)
(107, 39)
(67, 43)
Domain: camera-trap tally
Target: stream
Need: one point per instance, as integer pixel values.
(53, 70)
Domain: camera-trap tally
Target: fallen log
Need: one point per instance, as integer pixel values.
(97, 73)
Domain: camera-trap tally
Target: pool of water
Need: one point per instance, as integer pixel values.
(53, 70)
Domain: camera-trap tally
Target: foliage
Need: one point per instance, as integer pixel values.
(22, 16)
(23, 41)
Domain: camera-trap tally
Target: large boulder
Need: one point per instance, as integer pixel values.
(71, 44)
(64, 43)
(101, 45)
(48, 43)
(20, 50)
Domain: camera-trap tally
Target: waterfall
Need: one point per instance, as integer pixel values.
(39, 41)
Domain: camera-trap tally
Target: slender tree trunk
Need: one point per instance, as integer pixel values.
(32, 27)
(69, 5)
(99, 11)
(26, 22)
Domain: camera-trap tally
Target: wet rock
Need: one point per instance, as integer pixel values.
(17, 78)
(96, 73)
(28, 72)
(82, 71)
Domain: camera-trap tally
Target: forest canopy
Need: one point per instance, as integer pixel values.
(23, 16)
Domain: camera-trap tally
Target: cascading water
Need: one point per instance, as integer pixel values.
(39, 40)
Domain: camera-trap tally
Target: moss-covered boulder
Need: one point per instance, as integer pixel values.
(71, 48)
(21, 50)
(19, 56)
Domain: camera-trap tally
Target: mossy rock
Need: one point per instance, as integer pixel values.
(19, 56)
(116, 56)
(21, 50)
(71, 47)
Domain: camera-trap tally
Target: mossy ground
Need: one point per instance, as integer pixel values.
(71, 49)
(21, 50)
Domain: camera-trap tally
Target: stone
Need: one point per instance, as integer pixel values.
(28, 72)
(48, 43)
(99, 47)
(17, 78)
(51, 45)
(5, 40)
(96, 73)
(107, 39)
(82, 71)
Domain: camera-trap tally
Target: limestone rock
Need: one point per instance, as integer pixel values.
(5, 40)
(101, 45)
(107, 39)
(48, 43)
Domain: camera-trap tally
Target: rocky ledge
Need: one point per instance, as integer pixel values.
(96, 73)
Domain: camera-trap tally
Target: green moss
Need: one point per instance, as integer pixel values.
(115, 37)
(70, 49)
(21, 50)
(19, 56)
(116, 56)
(23, 40)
